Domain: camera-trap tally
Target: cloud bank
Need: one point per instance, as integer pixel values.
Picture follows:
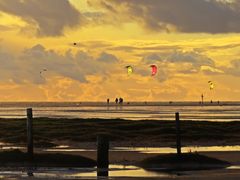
(49, 17)
(188, 16)
(26, 67)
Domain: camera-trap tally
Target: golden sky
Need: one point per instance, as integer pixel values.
(191, 42)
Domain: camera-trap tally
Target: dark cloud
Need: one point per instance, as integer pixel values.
(190, 16)
(50, 17)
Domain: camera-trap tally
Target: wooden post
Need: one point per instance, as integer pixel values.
(29, 133)
(102, 155)
(178, 134)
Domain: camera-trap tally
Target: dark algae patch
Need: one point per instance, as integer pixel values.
(17, 158)
(185, 162)
(47, 131)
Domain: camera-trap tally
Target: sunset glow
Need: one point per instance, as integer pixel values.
(189, 50)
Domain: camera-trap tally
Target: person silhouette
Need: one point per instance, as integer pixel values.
(116, 100)
(108, 100)
(120, 101)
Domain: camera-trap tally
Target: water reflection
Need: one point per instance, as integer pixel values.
(70, 173)
(154, 149)
(233, 168)
(184, 149)
(79, 173)
(152, 111)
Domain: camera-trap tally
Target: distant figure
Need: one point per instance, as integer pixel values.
(218, 102)
(116, 100)
(170, 102)
(202, 98)
(211, 101)
(108, 100)
(120, 100)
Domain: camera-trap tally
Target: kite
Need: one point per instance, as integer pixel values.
(129, 70)
(44, 70)
(74, 44)
(154, 70)
(211, 85)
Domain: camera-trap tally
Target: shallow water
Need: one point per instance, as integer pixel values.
(89, 173)
(161, 150)
(70, 173)
(133, 111)
(148, 150)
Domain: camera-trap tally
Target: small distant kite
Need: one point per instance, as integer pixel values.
(211, 85)
(75, 44)
(154, 70)
(129, 70)
(41, 72)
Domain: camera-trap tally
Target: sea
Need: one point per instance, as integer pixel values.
(215, 111)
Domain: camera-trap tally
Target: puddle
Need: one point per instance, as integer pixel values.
(233, 168)
(8, 146)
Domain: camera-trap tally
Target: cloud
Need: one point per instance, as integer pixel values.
(234, 68)
(152, 58)
(153, 47)
(189, 16)
(8, 28)
(175, 63)
(49, 17)
(183, 61)
(195, 59)
(107, 58)
(26, 67)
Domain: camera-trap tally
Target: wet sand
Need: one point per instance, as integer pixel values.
(131, 157)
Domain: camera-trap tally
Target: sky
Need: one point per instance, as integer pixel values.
(190, 41)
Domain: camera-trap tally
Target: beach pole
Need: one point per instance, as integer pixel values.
(29, 133)
(178, 134)
(102, 155)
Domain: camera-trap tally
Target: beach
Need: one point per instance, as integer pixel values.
(225, 111)
(131, 140)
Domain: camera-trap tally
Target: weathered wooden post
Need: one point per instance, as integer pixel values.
(29, 133)
(102, 155)
(178, 134)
